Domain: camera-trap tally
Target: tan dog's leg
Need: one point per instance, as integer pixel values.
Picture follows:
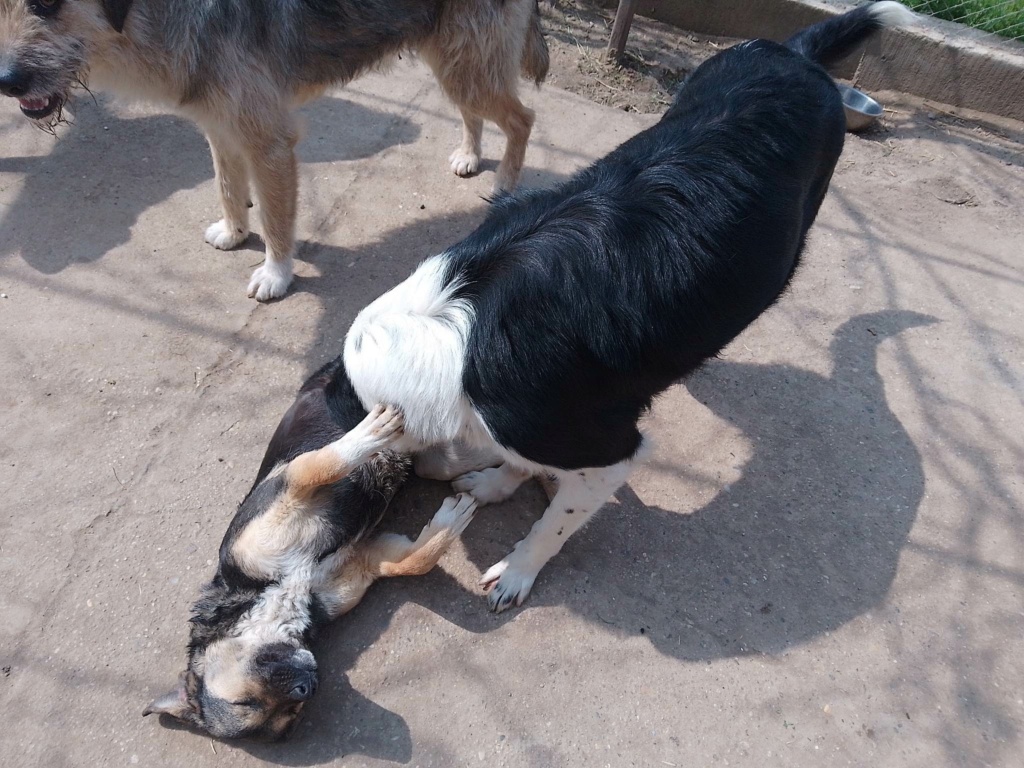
(516, 122)
(466, 159)
(311, 470)
(514, 119)
(233, 186)
(393, 555)
(270, 150)
(476, 56)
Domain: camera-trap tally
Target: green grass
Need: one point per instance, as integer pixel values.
(1003, 17)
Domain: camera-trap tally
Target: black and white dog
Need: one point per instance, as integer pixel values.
(538, 342)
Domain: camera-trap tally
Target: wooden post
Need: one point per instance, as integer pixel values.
(620, 28)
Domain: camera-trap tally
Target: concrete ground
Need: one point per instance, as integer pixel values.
(821, 564)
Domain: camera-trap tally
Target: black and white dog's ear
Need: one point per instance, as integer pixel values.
(116, 12)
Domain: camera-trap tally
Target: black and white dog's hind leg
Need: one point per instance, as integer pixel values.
(448, 461)
(580, 493)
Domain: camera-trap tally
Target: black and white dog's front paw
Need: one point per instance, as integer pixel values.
(509, 582)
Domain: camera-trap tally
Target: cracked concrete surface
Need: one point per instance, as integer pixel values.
(821, 563)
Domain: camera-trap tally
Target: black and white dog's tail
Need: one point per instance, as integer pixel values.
(830, 41)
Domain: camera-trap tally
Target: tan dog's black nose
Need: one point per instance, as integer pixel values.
(304, 687)
(14, 82)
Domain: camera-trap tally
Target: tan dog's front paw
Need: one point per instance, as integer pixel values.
(224, 237)
(385, 423)
(382, 426)
(271, 280)
(464, 163)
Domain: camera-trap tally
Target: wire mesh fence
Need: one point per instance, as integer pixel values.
(1002, 17)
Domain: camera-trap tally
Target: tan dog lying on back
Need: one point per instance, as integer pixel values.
(299, 553)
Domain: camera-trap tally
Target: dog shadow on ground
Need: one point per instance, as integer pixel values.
(89, 191)
(807, 539)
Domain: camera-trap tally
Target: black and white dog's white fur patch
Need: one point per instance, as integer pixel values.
(539, 341)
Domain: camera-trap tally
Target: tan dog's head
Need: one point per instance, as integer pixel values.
(249, 665)
(45, 47)
(246, 677)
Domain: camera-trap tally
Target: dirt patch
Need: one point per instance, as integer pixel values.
(657, 59)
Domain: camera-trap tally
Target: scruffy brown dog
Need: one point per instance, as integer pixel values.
(239, 68)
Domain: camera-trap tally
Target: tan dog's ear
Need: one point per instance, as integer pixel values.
(116, 12)
(173, 703)
(381, 427)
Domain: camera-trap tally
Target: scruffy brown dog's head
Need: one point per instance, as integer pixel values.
(45, 47)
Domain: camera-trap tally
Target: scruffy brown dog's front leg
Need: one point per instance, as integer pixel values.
(269, 146)
(232, 176)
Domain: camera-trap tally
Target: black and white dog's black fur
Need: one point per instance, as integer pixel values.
(539, 341)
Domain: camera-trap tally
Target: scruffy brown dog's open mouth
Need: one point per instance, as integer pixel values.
(37, 109)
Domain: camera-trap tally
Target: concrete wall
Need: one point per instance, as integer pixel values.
(936, 60)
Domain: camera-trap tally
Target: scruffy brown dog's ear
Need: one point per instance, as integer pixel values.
(116, 12)
(173, 703)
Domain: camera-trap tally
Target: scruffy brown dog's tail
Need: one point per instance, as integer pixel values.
(535, 55)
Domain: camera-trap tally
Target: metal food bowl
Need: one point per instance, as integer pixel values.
(861, 110)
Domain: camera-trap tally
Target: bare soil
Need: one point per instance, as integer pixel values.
(657, 59)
